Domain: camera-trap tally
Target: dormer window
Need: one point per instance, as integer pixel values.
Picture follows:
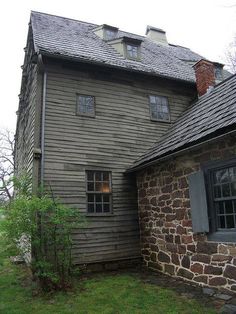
(131, 51)
(109, 34)
(129, 48)
(106, 32)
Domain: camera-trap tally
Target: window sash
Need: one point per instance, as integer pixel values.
(159, 108)
(85, 105)
(217, 216)
(132, 51)
(99, 198)
(109, 34)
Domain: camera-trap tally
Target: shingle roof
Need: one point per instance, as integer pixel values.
(67, 38)
(212, 112)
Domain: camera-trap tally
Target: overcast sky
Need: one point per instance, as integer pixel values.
(205, 26)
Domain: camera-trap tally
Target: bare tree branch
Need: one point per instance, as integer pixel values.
(6, 165)
(230, 56)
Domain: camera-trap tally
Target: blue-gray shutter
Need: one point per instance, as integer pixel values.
(198, 202)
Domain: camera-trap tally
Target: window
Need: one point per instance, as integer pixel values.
(132, 51)
(223, 198)
(110, 34)
(85, 105)
(159, 108)
(99, 192)
(213, 201)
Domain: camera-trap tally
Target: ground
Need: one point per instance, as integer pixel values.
(109, 293)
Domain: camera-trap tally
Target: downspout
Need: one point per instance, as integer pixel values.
(43, 127)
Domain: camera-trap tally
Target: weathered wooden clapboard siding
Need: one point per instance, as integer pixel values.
(118, 135)
(25, 136)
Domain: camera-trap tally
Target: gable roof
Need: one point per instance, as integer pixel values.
(67, 38)
(212, 113)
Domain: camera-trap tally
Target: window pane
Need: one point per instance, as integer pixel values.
(165, 116)
(132, 51)
(233, 189)
(234, 205)
(109, 34)
(217, 191)
(221, 221)
(98, 176)
(220, 208)
(90, 186)
(90, 198)
(152, 99)
(90, 176)
(154, 114)
(225, 190)
(106, 208)
(98, 198)
(105, 176)
(158, 100)
(106, 187)
(221, 176)
(106, 198)
(232, 174)
(165, 109)
(230, 221)
(98, 187)
(90, 207)
(98, 207)
(228, 207)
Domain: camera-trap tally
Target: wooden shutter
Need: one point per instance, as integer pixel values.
(198, 202)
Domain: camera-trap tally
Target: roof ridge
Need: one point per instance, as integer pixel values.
(63, 17)
(120, 30)
(68, 18)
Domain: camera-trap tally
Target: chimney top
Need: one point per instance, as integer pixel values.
(205, 76)
(156, 34)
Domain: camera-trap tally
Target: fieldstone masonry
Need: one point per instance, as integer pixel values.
(167, 241)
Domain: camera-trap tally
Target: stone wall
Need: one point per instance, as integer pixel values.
(167, 241)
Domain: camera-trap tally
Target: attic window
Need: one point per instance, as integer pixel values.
(132, 51)
(106, 32)
(109, 33)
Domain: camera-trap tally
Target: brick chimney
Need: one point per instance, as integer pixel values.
(205, 76)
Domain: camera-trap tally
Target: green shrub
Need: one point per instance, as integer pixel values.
(44, 227)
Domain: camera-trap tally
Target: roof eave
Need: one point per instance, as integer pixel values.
(181, 149)
(93, 62)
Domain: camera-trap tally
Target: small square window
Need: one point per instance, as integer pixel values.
(132, 51)
(159, 108)
(85, 105)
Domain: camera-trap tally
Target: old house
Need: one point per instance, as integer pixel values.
(93, 101)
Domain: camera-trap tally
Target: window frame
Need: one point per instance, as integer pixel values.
(111, 30)
(216, 234)
(78, 113)
(110, 213)
(138, 51)
(168, 107)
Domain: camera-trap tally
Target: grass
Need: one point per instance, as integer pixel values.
(105, 294)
